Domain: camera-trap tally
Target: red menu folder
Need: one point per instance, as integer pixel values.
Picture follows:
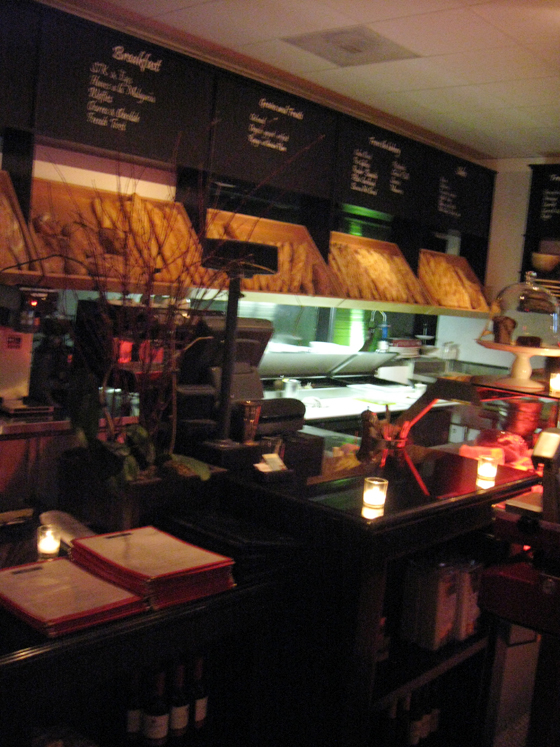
(155, 565)
(58, 596)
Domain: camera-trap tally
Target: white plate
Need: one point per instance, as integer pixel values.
(405, 352)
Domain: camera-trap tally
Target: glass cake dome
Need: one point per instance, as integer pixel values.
(526, 314)
(523, 321)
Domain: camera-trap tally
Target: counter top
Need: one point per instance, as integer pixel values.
(429, 499)
(351, 400)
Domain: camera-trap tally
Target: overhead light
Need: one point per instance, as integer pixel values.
(347, 47)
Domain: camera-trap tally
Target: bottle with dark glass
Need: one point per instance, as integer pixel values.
(155, 718)
(200, 701)
(415, 724)
(133, 725)
(180, 705)
(387, 727)
(403, 720)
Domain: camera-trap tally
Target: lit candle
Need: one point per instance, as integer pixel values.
(375, 492)
(487, 468)
(372, 513)
(554, 384)
(48, 542)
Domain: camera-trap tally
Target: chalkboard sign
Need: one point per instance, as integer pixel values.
(379, 170)
(109, 90)
(263, 135)
(457, 194)
(19, 42)
(544, 205)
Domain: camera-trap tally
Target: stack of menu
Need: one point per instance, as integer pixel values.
(157, 566)
(57, 597)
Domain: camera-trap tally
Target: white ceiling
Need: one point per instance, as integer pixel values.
(484, 78)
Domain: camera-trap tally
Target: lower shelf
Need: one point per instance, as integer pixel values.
(411, 667)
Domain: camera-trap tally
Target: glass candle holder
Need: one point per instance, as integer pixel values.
(486, 471)
(48, 542)
(554, 383)
(369, 512)
(375, 492)
(487, 468)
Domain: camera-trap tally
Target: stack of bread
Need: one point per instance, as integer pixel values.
(17, 252)
(373, 270)
(89, 234)
(450, 281)
(301, 268)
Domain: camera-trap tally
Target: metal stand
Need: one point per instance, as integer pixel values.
(228, 359)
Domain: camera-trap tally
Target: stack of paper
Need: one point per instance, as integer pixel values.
(155, 565)
(57, 596)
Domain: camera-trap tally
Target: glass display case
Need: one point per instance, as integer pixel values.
(524, 322)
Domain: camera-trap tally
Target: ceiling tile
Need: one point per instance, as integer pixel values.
(369, 11)
(539, 92)
(459, 97)
(529, 22)
(233, 23)
(155, 8)
(443, 32)
(286, 57)
(403, 75)
(505, 63)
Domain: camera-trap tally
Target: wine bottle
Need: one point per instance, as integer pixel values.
(200, 699)
(403, 720)
(426, 726)
(387, 728)
(416, 720)
(155, 718)
(435, 710)
(133, 724)
(179, 711)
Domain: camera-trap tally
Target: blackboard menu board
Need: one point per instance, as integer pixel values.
(105, 89)
(19, 42)
(544, 204)
(457, 194)
(379, 170)
(263, 135)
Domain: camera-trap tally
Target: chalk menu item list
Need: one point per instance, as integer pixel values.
(544, 204)
(457, 194)
(109, 90)
(378, 169)
(267, 136)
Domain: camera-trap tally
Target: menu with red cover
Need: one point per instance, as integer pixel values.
(155, 565)
(58, 596)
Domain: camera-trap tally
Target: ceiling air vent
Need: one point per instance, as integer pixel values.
(351, 46)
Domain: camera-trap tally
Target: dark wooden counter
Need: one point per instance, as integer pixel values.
(352, 575)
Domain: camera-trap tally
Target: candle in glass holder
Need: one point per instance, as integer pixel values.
(48, 542)
(487, 468)
(375, 492)
(554, 383)
(368, 512)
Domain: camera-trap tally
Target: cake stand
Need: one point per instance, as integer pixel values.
(521, 370)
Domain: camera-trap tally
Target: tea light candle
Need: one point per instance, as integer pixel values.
(375, 492)
(48, 542)
(554, 383)
(487, 468)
